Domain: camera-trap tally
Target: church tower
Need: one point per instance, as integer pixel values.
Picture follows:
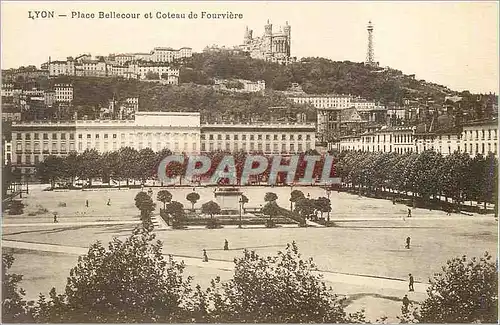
(287, 29)
(268, 39)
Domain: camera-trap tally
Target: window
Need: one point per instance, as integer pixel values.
(292, 147)
(251, 137)
(308, 137)
(105, 136)
(54, 136)
(299, 137)
(18, 136)
(97, 136)
(88, 136)
(114, 135)
(18, 160)
(37, 159)
(244, 137)
(292, 137)
(275, 137)
(28, 159)
(228, 137)
(299, 147)
(259, 137)
(211, 137)
(275, 147)
(219, 136)
(268, 147)
(37, 136)
(194, 146)
(72, 136)
(203, 146)
(235, 137)
(268, 137)
(259, 146)
(283, 137)
(63, 136)
(489, 134)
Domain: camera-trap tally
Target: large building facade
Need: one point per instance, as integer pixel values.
(179, 132)
(271, 46)
(266, 138)
(339, 115)
(478, 137)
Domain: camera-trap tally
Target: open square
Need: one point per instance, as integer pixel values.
(366, 248)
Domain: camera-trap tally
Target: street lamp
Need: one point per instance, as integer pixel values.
(328, 192)
(291, 190)
(241, 207)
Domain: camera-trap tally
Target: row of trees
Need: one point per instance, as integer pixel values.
(426, 175)
(128, 163)
(122, 165)
(131, 281)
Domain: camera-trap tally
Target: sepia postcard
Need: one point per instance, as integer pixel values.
(249, 162)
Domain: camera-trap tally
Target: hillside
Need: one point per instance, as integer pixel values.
(90, 93)
(316, 75)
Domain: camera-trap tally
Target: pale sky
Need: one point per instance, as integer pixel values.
(450, 43)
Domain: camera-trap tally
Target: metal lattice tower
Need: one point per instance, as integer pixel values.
(370, 59)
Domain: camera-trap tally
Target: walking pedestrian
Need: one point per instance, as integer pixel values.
(109, 202)
(410, 285)
(406, 303)
(408, 239)
(87, 203)
(226, 245)
(409, 213)
(55, 217)
(205, 257)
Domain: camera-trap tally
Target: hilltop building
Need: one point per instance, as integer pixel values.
(274, 47)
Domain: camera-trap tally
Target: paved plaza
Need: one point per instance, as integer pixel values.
(363, 257)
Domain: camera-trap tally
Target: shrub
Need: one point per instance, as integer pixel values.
(270, 223)
(465, 292)
(274, 289)
(61, 204)
(177, 224)
(129, 282)
(213, 224)
(16, 208)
